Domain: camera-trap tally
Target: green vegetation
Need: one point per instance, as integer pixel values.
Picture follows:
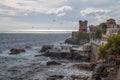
(111, 48)
(83, 36)
(80, 36)
(97, 34)
(103, 27)
(119, 31)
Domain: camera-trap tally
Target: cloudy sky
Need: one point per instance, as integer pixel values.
(38, 15)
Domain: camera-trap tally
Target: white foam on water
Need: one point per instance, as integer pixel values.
(28, 58)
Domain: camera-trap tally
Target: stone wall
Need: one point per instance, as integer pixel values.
(94, 52)
(74, 35)
(83, 24)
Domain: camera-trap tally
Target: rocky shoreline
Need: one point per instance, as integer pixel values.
(69, 56)
(49, 70)
(44, 67)
(56, 66)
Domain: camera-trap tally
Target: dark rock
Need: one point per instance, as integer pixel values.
(38, 55)
(16, 51)
(56, 55)
(46, 47)
(28, 47)
(87, 67)
(71, 41)
(53, 63)
(77, 77)
(69, 56)
(101, 69)
(55, 77)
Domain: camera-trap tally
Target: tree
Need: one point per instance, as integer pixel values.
(103, 27)
(111, 48)
(119, 31)
(97, 34)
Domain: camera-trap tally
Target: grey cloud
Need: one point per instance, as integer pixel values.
(93, 11)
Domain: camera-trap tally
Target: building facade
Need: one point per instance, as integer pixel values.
(92, 28)
(111, 23)
(83, 26)
(112, 27)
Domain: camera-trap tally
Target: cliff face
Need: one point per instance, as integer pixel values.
(71, 41)
(78, 38)
(113, 75)
(68, 56)
(107, 70)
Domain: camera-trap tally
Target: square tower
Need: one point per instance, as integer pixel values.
(83, 26)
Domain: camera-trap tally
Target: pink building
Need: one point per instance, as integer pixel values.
(111, 23)
(92, 28)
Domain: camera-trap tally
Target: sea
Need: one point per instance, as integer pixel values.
(26, 66)
(11, 40)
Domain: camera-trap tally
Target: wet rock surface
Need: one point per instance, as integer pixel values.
(69, 56)
(45, 48)
(88, 67)
(71, 41)
(55, 77)
(28, 67)
(28, 47)
(103, 69)
(49, 63)
(77, 77)
(16, 51)
(38, 70)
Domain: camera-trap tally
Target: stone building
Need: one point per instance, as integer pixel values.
(112, 27)
(111, 23)
(83, 26)
(74, 35)
(92, 28)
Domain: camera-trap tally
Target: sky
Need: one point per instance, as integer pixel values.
(55, 15)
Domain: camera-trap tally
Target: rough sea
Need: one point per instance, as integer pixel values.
(26, 66)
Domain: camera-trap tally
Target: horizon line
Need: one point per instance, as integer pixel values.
(38, 31)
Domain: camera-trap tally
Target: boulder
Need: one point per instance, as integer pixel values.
(53, 63)
(74, 77)
(71, 41)
(56, 55)
(46, 47)
(38, 55)
(28, 47)
(88, 67)
(55, 77)
(78, 77)
(16, 51)
(102, 69)
(69, 56)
